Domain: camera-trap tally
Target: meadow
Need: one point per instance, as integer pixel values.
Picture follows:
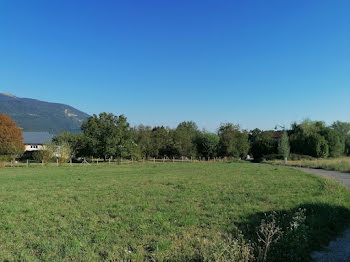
(341, 164)
(161, 211)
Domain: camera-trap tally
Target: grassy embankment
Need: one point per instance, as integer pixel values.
(173, 212)
(341, 164)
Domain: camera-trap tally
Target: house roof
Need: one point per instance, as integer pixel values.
(277, 134)
(36, 137)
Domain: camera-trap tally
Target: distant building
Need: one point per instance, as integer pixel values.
(277, 134)
(34, 141)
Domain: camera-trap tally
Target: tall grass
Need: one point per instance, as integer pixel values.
(334, 164)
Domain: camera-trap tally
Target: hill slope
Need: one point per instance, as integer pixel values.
(35, 115)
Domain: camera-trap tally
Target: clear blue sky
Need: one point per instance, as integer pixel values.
(255, 63)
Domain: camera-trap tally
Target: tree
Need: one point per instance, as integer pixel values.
(162, 142)
(253, 134)
(232, 141)
(143, 140)
(316, 139)
(283, 144)
(11, 141)
(317, 146)
(335, 141)
(77, 143)
(207, 144)
(343, 129)
(108, 135)
(264, 144)
(347, 145)
(46, 154)
(184, 136)
(63, 152)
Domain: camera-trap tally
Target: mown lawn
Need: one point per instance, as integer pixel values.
(153, 211)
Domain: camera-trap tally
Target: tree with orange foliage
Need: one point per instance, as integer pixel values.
(11, 140)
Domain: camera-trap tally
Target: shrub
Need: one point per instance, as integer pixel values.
(46, 154)
(5, 158)
(63, 152)
(273, 157)
(317, 146)
(295, 157)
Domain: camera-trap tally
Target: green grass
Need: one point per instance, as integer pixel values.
(91, 213)
(341, 164)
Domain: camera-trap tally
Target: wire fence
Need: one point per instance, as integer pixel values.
(105, 162)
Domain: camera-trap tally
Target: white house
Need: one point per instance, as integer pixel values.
(34, 141)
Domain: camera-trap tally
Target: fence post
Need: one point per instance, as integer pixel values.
(97, 161)
(11, 164)
(57, 161)
(173, 159)
(191, 159)
(70, 161)
(109, 161)
(42, 162)
(154, 159)
(27, 163)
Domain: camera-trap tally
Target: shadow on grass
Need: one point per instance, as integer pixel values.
(321, 223)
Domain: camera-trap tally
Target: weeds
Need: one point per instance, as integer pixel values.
(268, 234)
(334, 164)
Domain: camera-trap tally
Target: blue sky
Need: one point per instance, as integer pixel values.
(255, 63)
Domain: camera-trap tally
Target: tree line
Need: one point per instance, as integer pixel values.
(107, 135)
(308, 138)
(111, 136)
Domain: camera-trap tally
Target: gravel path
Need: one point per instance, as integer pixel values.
(342, 178)
(339, 249)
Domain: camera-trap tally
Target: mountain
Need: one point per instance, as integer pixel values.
(35, 115)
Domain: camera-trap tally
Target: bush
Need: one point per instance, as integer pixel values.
(5, 158)
(264, 146)
(63, 152)
(295, 157)
(46, 154)
(316, 146)
(273, 157)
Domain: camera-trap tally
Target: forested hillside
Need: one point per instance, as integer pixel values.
(35, 115)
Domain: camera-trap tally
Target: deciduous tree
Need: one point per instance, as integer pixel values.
(108, 135)
(11, 140)
(207, 144)
(233, 142)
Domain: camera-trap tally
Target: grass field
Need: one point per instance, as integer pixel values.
(341, 164)
(156, 212)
